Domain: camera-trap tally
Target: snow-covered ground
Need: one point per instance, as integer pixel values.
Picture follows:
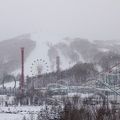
(7, 116)
(18, 112)
(10, 84)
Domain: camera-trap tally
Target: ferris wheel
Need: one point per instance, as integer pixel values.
(38, 67)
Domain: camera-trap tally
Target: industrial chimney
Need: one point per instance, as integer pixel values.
(22, 69)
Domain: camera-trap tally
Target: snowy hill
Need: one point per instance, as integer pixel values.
(70, 50)
(10, 52)
(43, 50)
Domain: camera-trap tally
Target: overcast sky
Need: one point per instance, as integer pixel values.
(92, 19)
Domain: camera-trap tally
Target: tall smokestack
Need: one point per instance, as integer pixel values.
(22, 68)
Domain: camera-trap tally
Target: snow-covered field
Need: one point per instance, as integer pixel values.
(18, 112)
(7, 116)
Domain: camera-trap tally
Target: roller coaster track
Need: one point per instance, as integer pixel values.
(114, 88)
(108, 86)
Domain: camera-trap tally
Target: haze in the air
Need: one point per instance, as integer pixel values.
(92, 19)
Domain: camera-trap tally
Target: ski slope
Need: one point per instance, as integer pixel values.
(43, 42)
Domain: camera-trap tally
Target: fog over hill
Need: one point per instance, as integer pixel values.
(10, 52)
(48, 46)
(71, 50)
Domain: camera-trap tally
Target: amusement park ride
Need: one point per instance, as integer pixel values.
(38, 67)
(106, 83)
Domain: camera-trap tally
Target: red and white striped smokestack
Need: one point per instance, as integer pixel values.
(22, 68)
